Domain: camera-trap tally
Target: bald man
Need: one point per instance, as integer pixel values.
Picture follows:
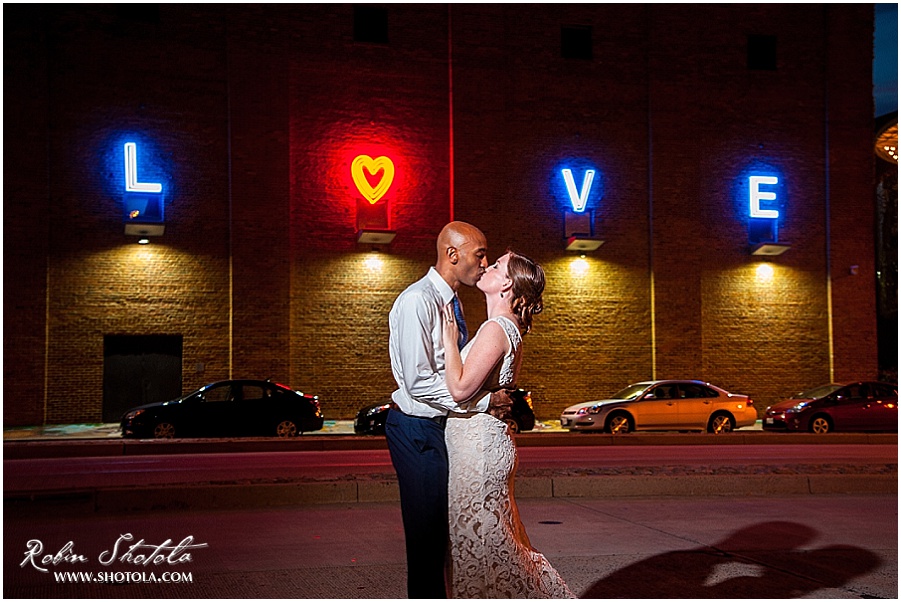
(414, 428)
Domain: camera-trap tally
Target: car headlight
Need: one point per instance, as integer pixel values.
(595, 410)
(133, 414)
(800, 406)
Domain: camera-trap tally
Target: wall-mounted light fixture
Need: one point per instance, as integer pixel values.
(144, 230)
(769, 248)
(583, 243)
(375, 237)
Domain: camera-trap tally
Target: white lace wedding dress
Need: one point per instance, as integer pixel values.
(490, 553)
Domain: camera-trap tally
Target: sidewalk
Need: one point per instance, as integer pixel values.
(656, 548)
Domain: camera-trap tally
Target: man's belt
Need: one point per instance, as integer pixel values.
(439, 420)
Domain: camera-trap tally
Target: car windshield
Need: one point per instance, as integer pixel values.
(816, 392)
(631, 392)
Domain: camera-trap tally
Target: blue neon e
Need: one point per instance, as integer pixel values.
(757, 195)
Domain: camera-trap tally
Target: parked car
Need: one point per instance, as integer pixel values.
(371, 419)
(857, 406)
(663, 405)
(231, 408)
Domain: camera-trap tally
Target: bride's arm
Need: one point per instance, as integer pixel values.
(465, 380)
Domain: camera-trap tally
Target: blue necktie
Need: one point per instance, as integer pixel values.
(461, 323)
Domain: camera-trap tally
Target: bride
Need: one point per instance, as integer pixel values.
(490, 553)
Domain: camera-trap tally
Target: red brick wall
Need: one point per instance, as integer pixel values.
(258, 110)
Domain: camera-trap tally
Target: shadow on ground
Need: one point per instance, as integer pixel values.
(767, 560)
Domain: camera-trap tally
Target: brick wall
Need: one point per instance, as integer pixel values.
(257, 110)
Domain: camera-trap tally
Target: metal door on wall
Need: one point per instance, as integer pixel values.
(139, 369)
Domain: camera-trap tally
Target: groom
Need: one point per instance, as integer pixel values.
(415, 426)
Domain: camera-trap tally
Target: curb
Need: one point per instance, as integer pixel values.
(262, 495)
(36, 449)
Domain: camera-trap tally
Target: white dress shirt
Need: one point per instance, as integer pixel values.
(416, 346)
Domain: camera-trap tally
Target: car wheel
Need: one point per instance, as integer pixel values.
(619, 424)
(286, 428)
(820, 425)
(514, 426)
(720, 423)
(164, 430)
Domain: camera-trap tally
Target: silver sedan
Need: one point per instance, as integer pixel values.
(663, 405)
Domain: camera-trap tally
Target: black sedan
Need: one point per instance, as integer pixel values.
(371, 419)
(859, 406)
(231, 408)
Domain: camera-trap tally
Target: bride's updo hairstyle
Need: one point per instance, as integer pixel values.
(528, 286)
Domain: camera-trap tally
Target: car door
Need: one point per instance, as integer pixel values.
(254, 414)
(880, 412)
(848, 407)
(213, 416)
(696, 404)
(658, 409)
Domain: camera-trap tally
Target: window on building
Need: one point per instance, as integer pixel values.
(142, 13)
(575, 42)
(370, 24)
(762, 53)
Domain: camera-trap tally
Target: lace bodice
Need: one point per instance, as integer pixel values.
(504, 375)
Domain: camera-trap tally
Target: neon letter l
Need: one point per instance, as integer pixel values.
(131, 172)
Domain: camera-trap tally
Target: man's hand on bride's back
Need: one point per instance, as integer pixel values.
(500, 405)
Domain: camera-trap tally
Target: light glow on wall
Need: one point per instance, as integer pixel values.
(131, 172)
(373, 166)
(757, 195)
(764, 272)
(579, 199)
(373, 262)
(578, 266)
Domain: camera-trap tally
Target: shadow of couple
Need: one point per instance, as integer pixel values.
(766, 560)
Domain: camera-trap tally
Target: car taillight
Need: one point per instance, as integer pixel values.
(529, 399)
(750, 401)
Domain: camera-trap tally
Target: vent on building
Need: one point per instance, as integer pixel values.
(761, 53)
(575, 42)
(370, 24)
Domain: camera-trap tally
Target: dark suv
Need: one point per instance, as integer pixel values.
(371, 419)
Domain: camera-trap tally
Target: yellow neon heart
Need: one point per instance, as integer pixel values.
(373, 165)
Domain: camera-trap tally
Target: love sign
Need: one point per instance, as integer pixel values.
(372, 192)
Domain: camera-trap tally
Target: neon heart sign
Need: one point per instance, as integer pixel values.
(373, 166)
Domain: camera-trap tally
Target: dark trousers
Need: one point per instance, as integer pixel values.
(419, 455)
